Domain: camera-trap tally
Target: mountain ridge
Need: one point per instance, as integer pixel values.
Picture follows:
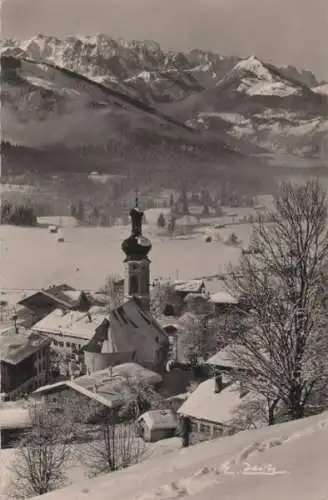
(159, 98)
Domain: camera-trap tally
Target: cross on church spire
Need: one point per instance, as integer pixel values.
(137, 198)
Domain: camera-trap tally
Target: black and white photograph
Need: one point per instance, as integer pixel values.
(164, 250)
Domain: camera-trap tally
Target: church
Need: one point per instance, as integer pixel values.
(131, 334)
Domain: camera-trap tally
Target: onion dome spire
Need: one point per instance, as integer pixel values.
(136, 246)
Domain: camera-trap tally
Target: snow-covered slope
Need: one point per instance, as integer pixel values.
(49, 107)
(287, 461)
(255, 78)
(257, 103)
(321, 89)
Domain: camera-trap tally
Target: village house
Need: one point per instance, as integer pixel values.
(44, 301)
(70, 330)
(212, 408)
(24, 361)
(224, 361)
(104, 388)
(223, 302)
(155, 425)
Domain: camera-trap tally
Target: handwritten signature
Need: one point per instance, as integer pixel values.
(254, 470)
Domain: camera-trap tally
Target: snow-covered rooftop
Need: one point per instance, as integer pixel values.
(190, 286)
(142, 331)
(205, 404)
(131, 371)
(223, 358)
(71, 323)
(14, 347)
(160, 419)
(105, 386)
(223, 298)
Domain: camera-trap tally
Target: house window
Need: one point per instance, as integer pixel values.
(217, 432)
(204, 428)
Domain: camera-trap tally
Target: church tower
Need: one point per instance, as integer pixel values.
(137, 264)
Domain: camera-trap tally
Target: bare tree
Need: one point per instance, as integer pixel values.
(198, 338)
(253, 413)
(43, 452)
(114, 289)
(282, 345)
(117, 447)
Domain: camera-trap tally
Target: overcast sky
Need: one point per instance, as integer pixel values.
(281, 31)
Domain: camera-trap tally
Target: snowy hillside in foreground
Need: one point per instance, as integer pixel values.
(287, 461)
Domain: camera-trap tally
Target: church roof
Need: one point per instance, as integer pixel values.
(106, 340)
(141, 329)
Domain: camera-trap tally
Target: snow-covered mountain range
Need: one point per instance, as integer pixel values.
(133, 96)
(255, 101)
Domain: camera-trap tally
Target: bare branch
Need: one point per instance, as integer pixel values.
(282, 293)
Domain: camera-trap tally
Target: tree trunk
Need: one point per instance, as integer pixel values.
(272, 405)
(271, 416)
(296, 406)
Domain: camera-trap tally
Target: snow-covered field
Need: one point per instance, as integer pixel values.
(75, 470)
(32, 258)
(287, 461)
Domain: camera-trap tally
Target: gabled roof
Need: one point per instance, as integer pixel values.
(223, 298)
(105, 386)
(139, 326)
(62, 295)
(223, 358)
(167, 322)
(205, 404)
(71, 323)
(159, 419)
(190, 286)
(15, 347)
(107, 341)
